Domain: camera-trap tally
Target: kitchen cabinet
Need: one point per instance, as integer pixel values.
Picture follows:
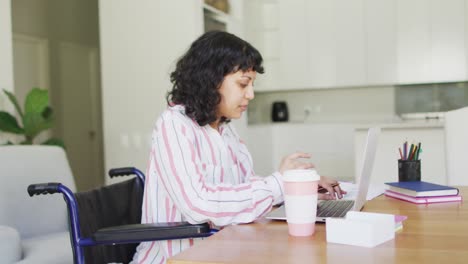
(448, 48)
(337, 149)
(350, 43)
(432, 138)
(320, 36)
(413, 41)
(334, 43)
(215, 19)
(381, 39)
(321, 43)
(331, 147)
(431, 41)
(262, 31)
(294, 45)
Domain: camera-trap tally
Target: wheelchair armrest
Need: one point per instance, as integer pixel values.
(149, 232)
(124, 171)
(43, 188)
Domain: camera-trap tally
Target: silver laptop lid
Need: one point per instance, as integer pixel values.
(370, 151)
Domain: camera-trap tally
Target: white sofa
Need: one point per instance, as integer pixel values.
(33, 229)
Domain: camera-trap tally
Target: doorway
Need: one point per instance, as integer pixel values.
(56, 47)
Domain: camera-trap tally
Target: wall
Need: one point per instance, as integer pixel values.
(58, 22)
(333, 105)
(360, 104)
(6, 52)
(77, 20)
(69, 29)
(6, 55)
(140, 41)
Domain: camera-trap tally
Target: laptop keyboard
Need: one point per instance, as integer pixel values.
(334, 208)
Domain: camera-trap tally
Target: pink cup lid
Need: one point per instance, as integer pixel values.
(300, 175)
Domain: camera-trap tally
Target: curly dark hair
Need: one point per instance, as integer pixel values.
(201, 70)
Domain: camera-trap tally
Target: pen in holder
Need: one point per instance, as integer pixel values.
(409, 170)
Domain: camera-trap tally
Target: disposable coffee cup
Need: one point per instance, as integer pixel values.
(300, 199)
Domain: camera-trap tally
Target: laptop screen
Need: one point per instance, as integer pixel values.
(370, 151)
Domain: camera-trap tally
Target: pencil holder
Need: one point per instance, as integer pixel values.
(409, 170)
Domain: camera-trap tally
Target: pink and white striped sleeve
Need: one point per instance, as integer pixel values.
(178, 165)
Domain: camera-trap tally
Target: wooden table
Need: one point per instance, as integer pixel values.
(434, 233)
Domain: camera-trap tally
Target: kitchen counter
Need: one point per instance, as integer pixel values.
(331, 146)
(431, 134)
(337, 147)
(431, 123)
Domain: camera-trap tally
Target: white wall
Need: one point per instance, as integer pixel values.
(340, 105)
(140, 41)
(6, 52)
(6, 55)
(53, 33)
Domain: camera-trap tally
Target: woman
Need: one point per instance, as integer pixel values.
(199, 170)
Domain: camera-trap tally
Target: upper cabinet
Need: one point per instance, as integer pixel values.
(320, 44)
(431, 41)
(293, 44)
(350, 44)
(261, 28)
(223, 15)
(448, 47)
(321, 57)
(380, 40)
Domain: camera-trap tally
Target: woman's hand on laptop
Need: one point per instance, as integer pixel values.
(331, 187)
(295, 161)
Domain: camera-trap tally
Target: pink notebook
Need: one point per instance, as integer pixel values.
(399, 221)
(424, 200)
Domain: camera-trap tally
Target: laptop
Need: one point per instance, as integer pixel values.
(339, 208)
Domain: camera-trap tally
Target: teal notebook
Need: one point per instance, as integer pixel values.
(421, 189)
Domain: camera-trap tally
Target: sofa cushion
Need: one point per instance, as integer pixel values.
(50, 249)
(25, 165)
(10, 245)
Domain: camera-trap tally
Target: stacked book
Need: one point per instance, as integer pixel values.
(420, 192)
(399, 222)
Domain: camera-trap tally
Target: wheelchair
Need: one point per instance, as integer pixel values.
(105, 223)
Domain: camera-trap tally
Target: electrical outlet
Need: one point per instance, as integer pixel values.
(124, 140)
(307, 110)
(317, 109)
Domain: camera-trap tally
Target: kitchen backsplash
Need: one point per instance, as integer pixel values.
(425, 98)
(332, 105)
(360, 104)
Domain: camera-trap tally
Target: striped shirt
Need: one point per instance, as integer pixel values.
(198, 174)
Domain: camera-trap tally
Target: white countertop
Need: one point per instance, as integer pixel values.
(401, 124)
(431, 123)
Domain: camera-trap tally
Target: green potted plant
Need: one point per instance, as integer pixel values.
(36, 117)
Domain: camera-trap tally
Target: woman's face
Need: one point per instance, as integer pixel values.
(236, 91)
